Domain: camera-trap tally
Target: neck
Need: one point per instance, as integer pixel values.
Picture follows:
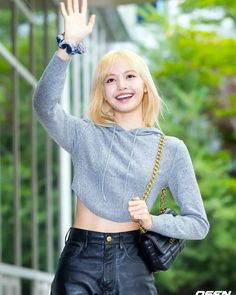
(129, 121)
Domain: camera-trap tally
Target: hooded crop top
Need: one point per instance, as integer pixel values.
(111, 164)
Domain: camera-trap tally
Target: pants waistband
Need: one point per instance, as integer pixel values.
(88, 236)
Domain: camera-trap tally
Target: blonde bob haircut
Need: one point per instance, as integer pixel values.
(100, 112)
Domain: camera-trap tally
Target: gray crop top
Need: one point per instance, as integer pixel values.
(111, 164)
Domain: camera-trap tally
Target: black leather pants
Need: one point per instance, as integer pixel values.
(102, 264)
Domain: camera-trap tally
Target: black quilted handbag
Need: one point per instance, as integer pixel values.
(159, 251)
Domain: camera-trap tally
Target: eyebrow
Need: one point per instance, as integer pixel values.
(111, 74)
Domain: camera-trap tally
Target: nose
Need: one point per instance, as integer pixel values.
(121, 84)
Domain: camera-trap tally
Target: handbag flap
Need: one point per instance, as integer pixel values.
(160, 242)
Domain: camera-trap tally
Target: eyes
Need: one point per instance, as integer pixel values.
(111, 80)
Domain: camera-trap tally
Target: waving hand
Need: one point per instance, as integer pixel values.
(76, 26)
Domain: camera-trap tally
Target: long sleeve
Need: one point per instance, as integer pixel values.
(192, 223)
(63, 128)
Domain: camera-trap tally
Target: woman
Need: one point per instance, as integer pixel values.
(113, 154)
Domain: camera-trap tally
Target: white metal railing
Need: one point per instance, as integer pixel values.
(11, 59)
(10, 285)
(11, 276)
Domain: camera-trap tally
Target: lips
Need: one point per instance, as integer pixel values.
(124, 96)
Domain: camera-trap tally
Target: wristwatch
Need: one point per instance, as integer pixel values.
(70, 48)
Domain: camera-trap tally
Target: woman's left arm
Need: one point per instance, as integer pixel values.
(192, 223)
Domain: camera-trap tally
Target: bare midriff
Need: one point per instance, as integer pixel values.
(85, 219)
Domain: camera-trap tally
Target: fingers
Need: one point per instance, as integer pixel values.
(69, 7)
(139, 211)
(137, 207)
(137, 202)
(140, 217)
(91, 22)
(83, 7)
(63, 9)
(76, 5)
(144, 220)
(73, 7)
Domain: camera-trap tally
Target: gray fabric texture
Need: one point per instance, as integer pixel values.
(111, 164)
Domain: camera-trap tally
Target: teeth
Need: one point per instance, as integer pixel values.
(124, 96)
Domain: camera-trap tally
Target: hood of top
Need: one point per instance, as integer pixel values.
(141, 131)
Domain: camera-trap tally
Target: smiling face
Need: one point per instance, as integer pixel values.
(123, 88)
(123, 72)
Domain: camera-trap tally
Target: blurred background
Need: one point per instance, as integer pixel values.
(190, 47)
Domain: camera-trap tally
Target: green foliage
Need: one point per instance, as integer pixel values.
(24, 104)
(192, 69)
(228, 6)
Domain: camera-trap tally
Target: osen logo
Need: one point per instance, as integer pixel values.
(213, 293)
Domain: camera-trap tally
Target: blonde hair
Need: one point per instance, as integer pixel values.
(100, 112)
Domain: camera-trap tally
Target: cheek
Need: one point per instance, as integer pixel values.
(105, 92)
(108, 91)
(141, 91)
(140, 86)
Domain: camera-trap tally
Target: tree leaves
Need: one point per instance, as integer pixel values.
(194, 71)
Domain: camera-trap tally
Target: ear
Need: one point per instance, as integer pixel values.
(144, 87)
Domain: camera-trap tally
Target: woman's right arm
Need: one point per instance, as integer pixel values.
(58, 124)
(62, 127)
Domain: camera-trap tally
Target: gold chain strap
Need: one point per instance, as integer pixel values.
(155, 171)
(163, 199)
(153, 178)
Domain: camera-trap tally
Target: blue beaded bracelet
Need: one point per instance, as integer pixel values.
(70, 48)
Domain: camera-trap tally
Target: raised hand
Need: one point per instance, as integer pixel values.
(76, 26)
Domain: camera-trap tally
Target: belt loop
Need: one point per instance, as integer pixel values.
(86, 239)
(121, 242)
(67, 235)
